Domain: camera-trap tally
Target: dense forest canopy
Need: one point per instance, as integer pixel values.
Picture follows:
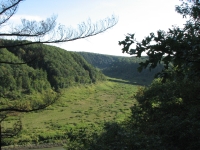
(51, 67)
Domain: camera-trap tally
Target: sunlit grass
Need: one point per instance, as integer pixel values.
(82, 106)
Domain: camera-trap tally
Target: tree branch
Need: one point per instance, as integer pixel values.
(46, 29)
(4, 9)
(8, 11)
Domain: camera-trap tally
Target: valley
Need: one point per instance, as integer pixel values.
(89, 91)
(55, 99)
(83, 106)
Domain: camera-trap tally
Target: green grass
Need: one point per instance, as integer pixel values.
(82, 106)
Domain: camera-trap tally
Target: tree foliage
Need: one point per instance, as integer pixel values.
(178, 48)
(166, 117)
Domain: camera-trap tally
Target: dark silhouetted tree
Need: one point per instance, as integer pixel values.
(178, 48)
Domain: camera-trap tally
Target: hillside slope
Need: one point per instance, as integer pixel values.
(17, 79)
(121, 67)
(47, 66)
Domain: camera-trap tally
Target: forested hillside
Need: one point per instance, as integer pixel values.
(99, 60)
(121, 67)
(45, 67)
(15, 79)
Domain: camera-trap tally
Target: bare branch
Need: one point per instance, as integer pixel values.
(8, 9)
(13, 3)
(47, 32)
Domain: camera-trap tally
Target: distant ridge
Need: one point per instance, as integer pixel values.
(121, 67)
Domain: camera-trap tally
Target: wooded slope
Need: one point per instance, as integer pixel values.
(121, 67)
(45, 67)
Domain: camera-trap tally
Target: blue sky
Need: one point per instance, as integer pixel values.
(135, 16)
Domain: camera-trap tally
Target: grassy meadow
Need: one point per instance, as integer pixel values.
(78, 107)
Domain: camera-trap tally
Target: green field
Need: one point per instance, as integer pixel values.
(79, 106)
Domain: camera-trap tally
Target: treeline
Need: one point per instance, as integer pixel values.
(99, 60)
(44, 67)
(121, 67)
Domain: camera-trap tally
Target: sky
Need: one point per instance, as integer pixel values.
(134, 16)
